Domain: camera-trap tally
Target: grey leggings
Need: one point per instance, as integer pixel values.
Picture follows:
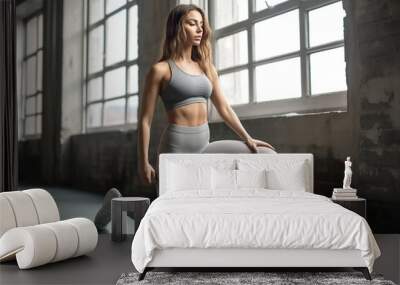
(196, 139)
(183, 139)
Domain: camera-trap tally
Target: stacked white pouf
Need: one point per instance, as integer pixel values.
(31, 231)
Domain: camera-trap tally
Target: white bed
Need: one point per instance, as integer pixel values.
(247, 210)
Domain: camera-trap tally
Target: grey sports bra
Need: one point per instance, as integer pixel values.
(184, 88)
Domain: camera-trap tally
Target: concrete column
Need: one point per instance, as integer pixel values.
(72, 84)
(51, 120)
(153, 14)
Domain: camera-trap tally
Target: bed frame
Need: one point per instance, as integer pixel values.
(240, 258)
(256, 258)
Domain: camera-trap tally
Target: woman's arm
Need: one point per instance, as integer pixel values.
(229, 116)
(146, 112)
(225, 110)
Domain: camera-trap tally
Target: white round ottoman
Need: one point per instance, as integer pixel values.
(31, 232)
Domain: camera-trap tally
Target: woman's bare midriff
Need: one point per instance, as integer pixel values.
(193, 114)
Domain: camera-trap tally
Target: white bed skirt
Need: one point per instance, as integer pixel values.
(234, 257)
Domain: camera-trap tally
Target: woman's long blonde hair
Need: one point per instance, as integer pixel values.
(175, 36)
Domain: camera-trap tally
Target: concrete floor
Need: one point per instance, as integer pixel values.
(102, 266)
(110, 259)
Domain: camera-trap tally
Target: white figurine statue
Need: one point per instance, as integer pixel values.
(347, 174)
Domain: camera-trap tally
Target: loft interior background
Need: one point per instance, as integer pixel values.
(314, 76)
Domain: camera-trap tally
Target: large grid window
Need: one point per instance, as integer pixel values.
(280, 56)
(112, 63)
(201, 3)
(32, 76)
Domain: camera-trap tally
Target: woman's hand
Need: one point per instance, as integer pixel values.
(254, 143)
(147, 173)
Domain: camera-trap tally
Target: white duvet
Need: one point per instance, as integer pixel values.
(251, 218)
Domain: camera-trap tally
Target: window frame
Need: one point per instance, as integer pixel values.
(307, 103)
(101, 74)
(24, 91)
(201, 3)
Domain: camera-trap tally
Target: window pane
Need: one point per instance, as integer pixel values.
(235, 86)
(328, 71)
(264, 4)
(115, 83)
(31, 36)
(30, 105)
(116, 38)
(133, 106)
(133, 33)
(200, 3)
(277, 35)
(114, 112)
(96, 10)
(39, 70)
(113, 5)
(95, 89)
(39, 103)
(30, 125)
(133, 79)
(326, 24)
(96, 49)
(94, 115)
(278, 80)
(40, 31)
(38, 124)
(31, 75)
(232, 50)
(228, 12)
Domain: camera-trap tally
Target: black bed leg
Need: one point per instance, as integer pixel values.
(364, 271)
(143, 274)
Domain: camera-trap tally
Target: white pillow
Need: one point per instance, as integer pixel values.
(251, 178)
(281, 174)
(223, 179)
(188, 177)
(291, 178)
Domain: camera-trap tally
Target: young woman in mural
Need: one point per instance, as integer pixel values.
(185, 79)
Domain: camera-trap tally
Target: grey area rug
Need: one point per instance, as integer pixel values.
(230, 278)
